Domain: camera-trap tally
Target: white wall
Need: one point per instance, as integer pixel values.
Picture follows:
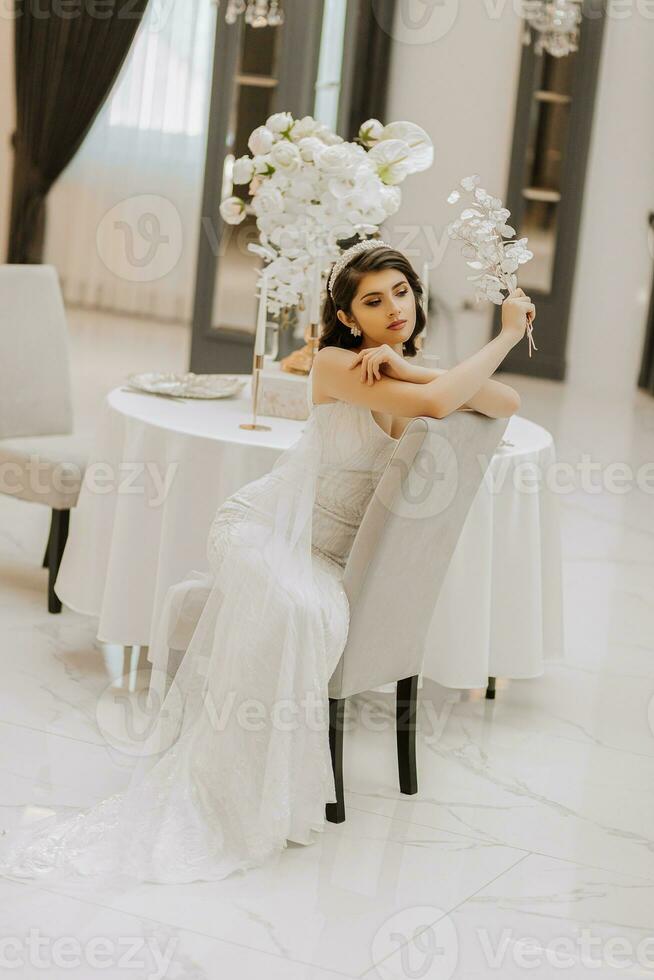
(7, 114)
(461, 87)
(456, 77)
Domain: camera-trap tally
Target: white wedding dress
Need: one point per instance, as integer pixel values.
(214, 789)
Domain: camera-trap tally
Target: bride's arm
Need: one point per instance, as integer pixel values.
(435, 398)
(494, 398)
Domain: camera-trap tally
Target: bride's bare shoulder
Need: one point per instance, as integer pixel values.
(333, 381)
(327, 362)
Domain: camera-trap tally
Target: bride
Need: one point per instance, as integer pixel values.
(236, 762)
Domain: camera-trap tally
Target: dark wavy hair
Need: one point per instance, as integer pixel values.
(336, 334)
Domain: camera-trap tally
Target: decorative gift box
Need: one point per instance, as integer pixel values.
(283, 394)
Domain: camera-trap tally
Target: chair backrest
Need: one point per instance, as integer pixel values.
(405, 543)
(35, 396)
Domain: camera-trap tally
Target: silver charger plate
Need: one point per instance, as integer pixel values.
(188, 385)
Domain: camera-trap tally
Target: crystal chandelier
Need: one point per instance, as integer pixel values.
(556, 23)
(258, 13)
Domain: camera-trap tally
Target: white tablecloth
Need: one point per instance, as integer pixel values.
(500, 609)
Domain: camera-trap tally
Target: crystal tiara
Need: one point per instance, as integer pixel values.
(348, 255)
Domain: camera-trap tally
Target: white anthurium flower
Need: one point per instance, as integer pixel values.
(243, 170)
(285, 156)
(280, 123)
(392, 160)
(261, 141)
(370, 132)
(418, 140)
(232, 210)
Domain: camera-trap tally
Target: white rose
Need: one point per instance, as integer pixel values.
(243, 170)
(261, 141)
(269, 200)
(310, 147)
(325, 134)
(286, 157)
(338, 161)
(279, 123)
(370, 132)
(391, 198)
(232, 210)
(261, 164)
(303, 128)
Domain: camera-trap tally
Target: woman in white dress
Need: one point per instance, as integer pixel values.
(237, 761)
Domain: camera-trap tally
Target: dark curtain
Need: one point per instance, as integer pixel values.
(67, 58)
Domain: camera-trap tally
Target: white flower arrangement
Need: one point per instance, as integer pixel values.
(483, 229)
(311, 189)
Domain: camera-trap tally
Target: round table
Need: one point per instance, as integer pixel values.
(159, 469)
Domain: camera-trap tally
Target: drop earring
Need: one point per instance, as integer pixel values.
(355, 330)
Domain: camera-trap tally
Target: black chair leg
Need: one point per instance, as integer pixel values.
(405, 726)
(46, 556)
(335, 812)
(490, 690)
(56, 545)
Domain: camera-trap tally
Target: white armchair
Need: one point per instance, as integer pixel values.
(41, 460)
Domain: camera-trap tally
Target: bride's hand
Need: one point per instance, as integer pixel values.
(372, 359)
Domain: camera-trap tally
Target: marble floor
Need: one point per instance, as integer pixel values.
(529, 849)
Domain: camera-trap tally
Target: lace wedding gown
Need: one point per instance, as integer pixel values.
(216, 789)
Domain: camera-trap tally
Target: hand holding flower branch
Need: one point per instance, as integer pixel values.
(482, 228)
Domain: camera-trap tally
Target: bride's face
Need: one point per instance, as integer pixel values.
(382, 298)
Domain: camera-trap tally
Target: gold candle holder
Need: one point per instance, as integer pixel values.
(257, 365)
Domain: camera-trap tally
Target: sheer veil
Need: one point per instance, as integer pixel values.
(235, 760)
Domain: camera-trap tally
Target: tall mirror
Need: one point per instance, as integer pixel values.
(547, 147)
(308, 65)
(553, 120)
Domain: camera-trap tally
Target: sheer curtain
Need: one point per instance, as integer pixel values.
(124, 217)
